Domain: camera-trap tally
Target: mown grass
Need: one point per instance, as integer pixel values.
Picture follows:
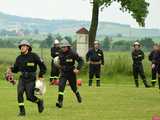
(116, 99)
(110, 102)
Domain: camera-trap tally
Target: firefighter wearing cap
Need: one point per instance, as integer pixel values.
(137, 57)
(67, 59)
(26, 63)
(55, 51)
(151, 56)
(95, 58)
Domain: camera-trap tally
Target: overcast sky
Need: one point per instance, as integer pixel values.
(76, 9)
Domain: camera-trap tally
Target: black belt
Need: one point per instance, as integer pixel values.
(28, 74)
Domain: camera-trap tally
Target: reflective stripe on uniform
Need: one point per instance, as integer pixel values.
(153, 80)
(61, 93)
(21, 104)
(55, 77)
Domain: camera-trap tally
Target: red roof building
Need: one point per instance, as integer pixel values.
(82, 31)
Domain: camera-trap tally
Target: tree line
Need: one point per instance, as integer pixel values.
(123, 45)
(107, 44)
(7, 44)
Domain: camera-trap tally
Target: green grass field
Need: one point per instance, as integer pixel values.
(110, 102)
(116, 99)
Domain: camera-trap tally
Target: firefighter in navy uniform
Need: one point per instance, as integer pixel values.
(26, 63)
(68, 71)
(55, 51)
(95, 58)
(156, 64)
(154, 70)
(137, 57)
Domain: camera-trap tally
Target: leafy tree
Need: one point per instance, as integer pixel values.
(106, 43)
(26, 31)
(147, 43)
(69, 39)
(7, 44)
(137, 8)
(121, 45)
(36, 32)
(58, 37)
(47, 43)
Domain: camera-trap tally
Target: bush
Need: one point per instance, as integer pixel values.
(121, 46)
(7, 44)
(147, 43)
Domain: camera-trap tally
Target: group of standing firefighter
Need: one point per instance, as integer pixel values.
(154, 58)
(64, 69)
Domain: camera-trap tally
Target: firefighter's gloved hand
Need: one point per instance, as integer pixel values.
(153, 66)
(13, 82)
(51, 82)
(9, 76)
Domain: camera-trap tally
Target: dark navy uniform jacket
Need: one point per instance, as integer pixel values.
(156, 58)
(67, 61)
(95, 56)
(28, 64)
(137, 56)
(55, 51)
(152, 56)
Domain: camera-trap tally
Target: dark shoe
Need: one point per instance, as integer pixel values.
(22, 111)
(147, 86)
(22, 114)
(40, 106)
(79, 99)
(153, 82)
(137, 83)
(137, 86)
(90, 83)
(98, 83)
(59, 104)
(153, 85)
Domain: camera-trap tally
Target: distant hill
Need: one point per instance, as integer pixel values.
(69, 27)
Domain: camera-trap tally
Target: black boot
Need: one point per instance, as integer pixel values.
(98, 83)
(79, 99)
(146, 84)
(40, 106)
(136, 83)
(90, 83)
(22, 111)
(59, 104)
(153, 82)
